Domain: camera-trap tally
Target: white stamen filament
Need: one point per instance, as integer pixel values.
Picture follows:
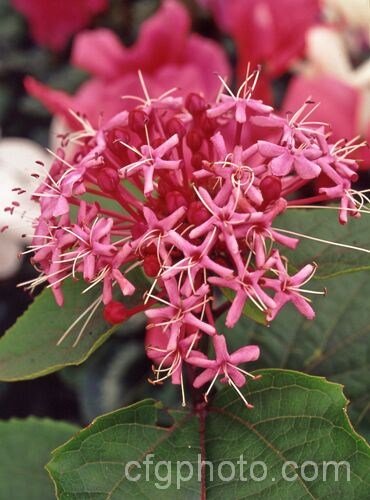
(342, 245)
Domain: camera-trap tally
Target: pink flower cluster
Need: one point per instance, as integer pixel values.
(189, 191)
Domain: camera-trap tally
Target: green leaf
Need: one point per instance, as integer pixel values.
(336, 344)
(91, 465)
(296, 418)
(29, 348)
(25, 448)
(323, 224)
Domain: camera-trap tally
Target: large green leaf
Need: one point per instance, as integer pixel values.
(92, 464)
(323, 224)
(336, 344)
(297, 418)
(29, 348)
(25, 448)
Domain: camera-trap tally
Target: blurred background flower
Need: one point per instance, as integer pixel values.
(17, 163)
(166, 56)
(336, 70)
(53, 22)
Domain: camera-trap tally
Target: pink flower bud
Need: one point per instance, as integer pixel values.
(197, 213)
(108, 179)
(151, 265)
(175, 126)
(270, 188)
(195, 103)
(194, 140)
(197, 160)
(115, 313)
(175, 200)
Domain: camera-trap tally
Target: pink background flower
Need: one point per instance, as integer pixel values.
(52, 22)
(167, 57)
(266, 32)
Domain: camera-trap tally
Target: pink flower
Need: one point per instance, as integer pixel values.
(248, 288)
(338, 103)
(166, 56)
(225, 364)
(53, 22)
(150, 161)
(267, 32)
(336, 71)
(196, 258)
(289, 289)
(341, 105)
(181, 312)
(284, 159)
(170, 362)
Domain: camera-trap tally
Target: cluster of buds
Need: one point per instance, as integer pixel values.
(189, 191)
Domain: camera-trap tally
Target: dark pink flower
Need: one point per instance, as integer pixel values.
(340, 105)
(225, 365)
(289, 289)
(150, 161)
(181, 311)
(166, 57)
(53, 22)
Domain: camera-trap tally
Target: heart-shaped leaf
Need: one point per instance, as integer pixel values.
(296, 443)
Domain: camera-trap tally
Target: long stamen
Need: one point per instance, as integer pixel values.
(231, 382)
(320, 240)
(77, 320)
(211, 385)
(182, 391)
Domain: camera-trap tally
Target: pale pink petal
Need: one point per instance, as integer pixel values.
(282, 165)
(204, 377)
(245, 354)
(269, 149)
(109, 55)
(303, 306)
(306, 169)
